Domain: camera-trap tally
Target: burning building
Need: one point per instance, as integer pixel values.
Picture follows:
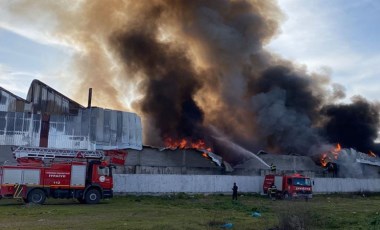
(49, 119)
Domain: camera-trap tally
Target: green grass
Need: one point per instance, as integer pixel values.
(195, 212)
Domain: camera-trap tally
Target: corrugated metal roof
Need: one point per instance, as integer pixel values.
(11, 102)
(47, 100)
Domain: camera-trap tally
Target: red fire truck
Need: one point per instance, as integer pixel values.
(59, 173)
(288, 186)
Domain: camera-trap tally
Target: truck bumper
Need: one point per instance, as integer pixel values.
(302, 195)
(107, 194)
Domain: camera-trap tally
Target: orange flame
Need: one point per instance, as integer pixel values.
(332, 154)
(187, 144)
(323, 160)
(371, 154)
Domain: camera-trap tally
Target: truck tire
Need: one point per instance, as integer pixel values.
(92, 196)
(36, 196)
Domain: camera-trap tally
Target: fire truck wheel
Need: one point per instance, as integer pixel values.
(92, 196)
(36, 196)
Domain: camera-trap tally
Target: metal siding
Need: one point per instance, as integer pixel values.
(36, 94)
(66, 132)
(18, 129)
(43, 100)
(7, 102)
(113, 128)
(12, 176)
(99, 123)
(119, 127)
(78, 175)
(106, 129)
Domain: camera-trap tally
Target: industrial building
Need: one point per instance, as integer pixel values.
(47, 118)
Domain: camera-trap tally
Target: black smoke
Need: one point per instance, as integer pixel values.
(353, 125)
(209, 71)
(169, 83)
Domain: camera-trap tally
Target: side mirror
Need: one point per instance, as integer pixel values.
(113, 166)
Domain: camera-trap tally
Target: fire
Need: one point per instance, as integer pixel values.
(323, 160)
(336, 151)
(332, 154)
(187, 144)
(370, 153)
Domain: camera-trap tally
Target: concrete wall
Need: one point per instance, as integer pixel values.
(332, 185)
(151, 183)
(144, 183)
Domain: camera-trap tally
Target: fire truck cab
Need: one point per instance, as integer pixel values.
(289, 186)
(33, 179)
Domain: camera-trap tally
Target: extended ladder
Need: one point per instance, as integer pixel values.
(51, 153)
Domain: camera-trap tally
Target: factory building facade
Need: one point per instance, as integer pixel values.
(49, 119)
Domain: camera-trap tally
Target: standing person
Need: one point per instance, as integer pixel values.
(273, 168)
(234, 192)
(273, 191)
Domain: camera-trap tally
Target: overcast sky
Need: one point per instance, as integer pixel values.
(336, 36)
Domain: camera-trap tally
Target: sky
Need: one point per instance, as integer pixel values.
(337, 37)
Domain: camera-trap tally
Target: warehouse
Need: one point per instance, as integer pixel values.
(47, 118)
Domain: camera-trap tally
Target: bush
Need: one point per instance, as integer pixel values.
(295, 216)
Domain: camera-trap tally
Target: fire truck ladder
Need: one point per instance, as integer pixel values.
(51, 153)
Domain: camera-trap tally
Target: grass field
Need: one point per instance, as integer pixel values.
(195, 212)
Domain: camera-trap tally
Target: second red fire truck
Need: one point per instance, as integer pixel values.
(288, 186)
(59, 173)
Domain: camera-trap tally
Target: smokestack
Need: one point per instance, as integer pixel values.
(89, 97)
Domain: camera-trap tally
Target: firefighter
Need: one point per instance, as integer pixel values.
(234, 192)
(272, 168)
(272, 191)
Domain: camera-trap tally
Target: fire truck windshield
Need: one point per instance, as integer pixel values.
(301, 182)
(103, 171)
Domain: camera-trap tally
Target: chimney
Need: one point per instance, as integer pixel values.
(89, 97)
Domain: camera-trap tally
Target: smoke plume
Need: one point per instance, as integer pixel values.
(192, 67)
(353, 125)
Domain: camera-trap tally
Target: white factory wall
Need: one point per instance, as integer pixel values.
(151, 183)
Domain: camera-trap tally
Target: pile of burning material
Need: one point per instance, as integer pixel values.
(175, 160)
(200, 146)
(261, 162)
(348, 162)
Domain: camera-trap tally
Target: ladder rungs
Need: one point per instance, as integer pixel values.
(24, 152)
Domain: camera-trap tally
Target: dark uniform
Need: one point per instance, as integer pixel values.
(272, 167)
(272, 191)
(234, 192)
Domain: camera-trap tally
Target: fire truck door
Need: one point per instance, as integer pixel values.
(12, 176)
(78, 176)
(31, 176)
(21, 176)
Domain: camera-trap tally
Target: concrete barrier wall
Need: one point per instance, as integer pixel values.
(341, 185)
(155, 183)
